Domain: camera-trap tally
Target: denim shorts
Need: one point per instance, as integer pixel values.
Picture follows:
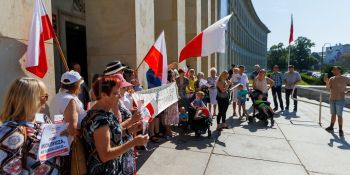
(242, 101)
(337, 107)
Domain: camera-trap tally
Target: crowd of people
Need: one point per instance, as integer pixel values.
(103, 119)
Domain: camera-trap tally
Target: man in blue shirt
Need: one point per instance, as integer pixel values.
(152, 80)
(277, 77)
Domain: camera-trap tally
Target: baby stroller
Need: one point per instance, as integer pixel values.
(259, 113)
(200, 125)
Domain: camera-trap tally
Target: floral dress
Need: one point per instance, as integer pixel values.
(19, 144)
(94, 120)
(129, 166)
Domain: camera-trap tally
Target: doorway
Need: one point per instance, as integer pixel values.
(76, 47)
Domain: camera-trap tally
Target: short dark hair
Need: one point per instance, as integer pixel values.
(181, 71)
(276, 66)
(241, 66)
(105, 84)
(290, 66)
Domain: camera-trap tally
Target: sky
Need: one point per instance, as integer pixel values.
(322, 21)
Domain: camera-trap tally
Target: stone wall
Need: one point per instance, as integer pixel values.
(15, 18)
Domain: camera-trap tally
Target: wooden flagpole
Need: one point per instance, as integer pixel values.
(63, 58)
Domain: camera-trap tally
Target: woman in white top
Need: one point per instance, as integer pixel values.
(261, 82)
(67, 103)
(235, 79)
(212, 89)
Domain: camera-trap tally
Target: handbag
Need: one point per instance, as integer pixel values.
(78, 159)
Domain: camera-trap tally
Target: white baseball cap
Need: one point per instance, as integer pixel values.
(70, 77)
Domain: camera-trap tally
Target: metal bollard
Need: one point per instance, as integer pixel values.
(320, 111)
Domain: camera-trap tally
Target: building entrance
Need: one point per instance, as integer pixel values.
(76, 47)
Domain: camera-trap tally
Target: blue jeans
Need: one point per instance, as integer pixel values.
(337, 107)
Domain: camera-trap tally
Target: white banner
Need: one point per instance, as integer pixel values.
(164, 96)
(52, 144)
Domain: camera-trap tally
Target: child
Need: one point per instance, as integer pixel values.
(242, 98)
(183, 119)
(264, 105)
(199, 106)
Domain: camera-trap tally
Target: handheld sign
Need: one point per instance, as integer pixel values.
(52, 144)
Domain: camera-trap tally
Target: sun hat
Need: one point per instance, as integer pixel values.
(113, 68)
(70, 77)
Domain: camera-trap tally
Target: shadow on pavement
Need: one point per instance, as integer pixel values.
(341, 140)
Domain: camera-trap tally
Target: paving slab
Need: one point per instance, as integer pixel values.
(323, 158)
(258, 129)
(227, 165)
(264, 148)
(174, 162)
(309, 134)
(191, 143)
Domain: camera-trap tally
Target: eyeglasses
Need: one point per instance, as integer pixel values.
(44, 96)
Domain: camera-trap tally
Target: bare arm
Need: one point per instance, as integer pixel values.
(133, 119)
(271, 82)
(71, 117)
(104, 149)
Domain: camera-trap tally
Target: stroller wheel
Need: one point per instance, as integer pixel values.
(209, 134)
(266, 123)
(250, 119)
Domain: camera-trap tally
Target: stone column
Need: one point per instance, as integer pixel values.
(214, 14)
(16, 20)
(119, 30)
(169, 15)
(204, 24)
(193, 27)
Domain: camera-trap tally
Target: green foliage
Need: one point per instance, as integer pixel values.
(300, 55)
(277, 56)
(312, 80)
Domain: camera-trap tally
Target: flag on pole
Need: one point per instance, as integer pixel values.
(40, 32)
(151, 111)
(211, 40)
(291, 30)
(156, 59)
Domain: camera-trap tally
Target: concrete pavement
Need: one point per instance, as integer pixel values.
(297, 144)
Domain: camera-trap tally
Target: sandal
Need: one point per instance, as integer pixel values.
(154, 139)
(159, 134)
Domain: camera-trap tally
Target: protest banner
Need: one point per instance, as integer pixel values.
(52, 144)
(164, 96)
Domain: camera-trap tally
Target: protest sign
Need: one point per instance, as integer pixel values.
(52, 144)
(164, 96)
(58, 119)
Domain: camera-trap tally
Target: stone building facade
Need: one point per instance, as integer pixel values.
(246, 37)
(93, 33)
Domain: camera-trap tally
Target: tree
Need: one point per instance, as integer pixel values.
(277, 55)
(301, 51)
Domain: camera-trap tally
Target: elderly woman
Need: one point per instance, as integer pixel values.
(223, 99)
(20, 132)
(67, 103)
(212, 90)
(261, 82)
(103, 132)
(235, 78)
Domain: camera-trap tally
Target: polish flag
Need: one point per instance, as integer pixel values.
(211, 40)
(291, 30)
(156, 59)
(152, 111)
(40, 32)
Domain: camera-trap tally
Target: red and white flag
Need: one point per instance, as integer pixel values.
(150, 111)
(211, 40)
(40, 32)
(291, 31)
(156, 59)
